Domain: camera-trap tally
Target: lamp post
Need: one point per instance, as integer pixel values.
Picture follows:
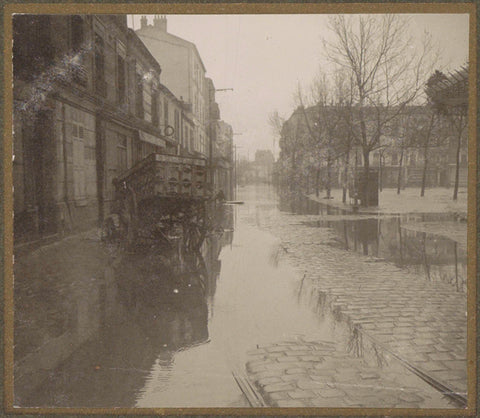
(235, 164)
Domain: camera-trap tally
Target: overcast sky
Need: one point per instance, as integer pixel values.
(263, 57)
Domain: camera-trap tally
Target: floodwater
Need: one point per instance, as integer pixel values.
(170, 330)
(168, 337)
(431, 244)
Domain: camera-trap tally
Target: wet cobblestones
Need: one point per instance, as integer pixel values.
(422, 322)
(323, 375)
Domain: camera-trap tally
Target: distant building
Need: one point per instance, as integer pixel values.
(258, 171)
(398, 160)
(263, 166)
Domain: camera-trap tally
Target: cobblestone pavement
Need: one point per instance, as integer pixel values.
(422, 322)
(303, 373)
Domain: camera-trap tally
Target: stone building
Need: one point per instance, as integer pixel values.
(183, 72)
(88, 104)
(398, 158)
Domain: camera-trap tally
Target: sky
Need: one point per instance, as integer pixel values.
(264, 57)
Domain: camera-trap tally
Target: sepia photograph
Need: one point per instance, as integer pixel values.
(240, 211)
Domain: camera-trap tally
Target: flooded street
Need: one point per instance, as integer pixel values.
(165, 330)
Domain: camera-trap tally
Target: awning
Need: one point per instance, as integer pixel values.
(152, 139)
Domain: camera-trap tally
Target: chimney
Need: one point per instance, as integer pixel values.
(160, 23)
(143, 22)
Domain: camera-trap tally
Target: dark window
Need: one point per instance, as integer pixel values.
(77, 33)
(100, 83)
(121, 86)
(33, 45)
(155, 116)
(77, 39)
(139, 96)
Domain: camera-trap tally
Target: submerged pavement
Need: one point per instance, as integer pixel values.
(422, 323)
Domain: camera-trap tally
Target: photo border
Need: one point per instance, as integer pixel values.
(11, 8)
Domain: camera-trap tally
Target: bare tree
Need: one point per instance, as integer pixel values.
(388, 73)
(325, 122)
(276, 123)
(292, 144)
(449, 97)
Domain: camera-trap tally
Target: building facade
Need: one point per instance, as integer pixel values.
(88, 105)
(183, 72)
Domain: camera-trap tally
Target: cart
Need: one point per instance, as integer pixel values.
(161, 199)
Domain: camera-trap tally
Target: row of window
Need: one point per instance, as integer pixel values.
(154, 109)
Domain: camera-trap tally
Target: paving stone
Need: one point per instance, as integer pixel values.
(295, 370)
(301, 394)
(312, 384)
(265, 374)
(298, 353)
(276, 349)
(278, 387)
(256, 352)
(294, 377)
(290, 403)
(369, 376)
(440, 356)
(431, 366)
(315, 359)
(276, 366)
(410, 397)
(269, 380)
(288, 359)
(330, 393)
(257, 368)
(275, 396)
(300, 348)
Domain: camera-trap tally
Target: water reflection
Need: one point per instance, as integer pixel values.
(145, 308)
(402, 240)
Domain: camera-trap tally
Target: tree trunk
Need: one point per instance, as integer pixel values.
(292, 178)
(329, 174)
(380, 173)
(345, 177)
(457, 166)
(317, 181)
(399, 178)
(424, 175)
(425, 154)
(366, 179)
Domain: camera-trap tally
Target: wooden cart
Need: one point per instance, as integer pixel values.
(160, 199)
